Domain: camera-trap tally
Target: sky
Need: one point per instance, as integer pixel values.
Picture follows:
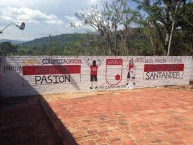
(41, 17)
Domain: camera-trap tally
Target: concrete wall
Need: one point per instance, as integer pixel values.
(191, 76)
(30, 75)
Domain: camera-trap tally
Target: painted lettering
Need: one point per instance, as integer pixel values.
(149, 60)
(10, 68)
(37, 79)
(163, 67)
(163, 75)
(52, 79)
(51, 69)
(114, 61)
(113, 87)
(61, 61)
(160, 60)
(140, 60)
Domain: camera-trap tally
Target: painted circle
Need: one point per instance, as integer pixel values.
(117, 77)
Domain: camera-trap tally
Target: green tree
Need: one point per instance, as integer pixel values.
(6, 48)
(185, 28)
(162, 15)
(112, 23)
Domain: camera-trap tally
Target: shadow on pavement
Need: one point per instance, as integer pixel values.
(26, 120)
(65, 136)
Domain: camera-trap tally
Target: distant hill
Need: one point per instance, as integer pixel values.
(58, 39)
(64, 44)
(78, 44)
(15, 42)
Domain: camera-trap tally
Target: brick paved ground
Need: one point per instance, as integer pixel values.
(160, 116)
(23, 122)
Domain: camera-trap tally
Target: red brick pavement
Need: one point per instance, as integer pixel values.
(159, 116)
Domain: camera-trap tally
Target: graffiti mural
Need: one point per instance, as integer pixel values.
(53, 74)
(30, 61)
(10, 68)
(61, 61)
(60, 74)
(52, 71)
(93, 72)
(131, 72)
(114, 69)
(163, 71)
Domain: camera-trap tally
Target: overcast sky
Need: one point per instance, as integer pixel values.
(42, 17)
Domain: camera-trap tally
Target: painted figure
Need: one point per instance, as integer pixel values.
(93, 72)
(131, 72)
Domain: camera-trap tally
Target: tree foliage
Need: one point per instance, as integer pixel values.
(185, 25)
(156, 27)
(6, 48)
(163, 17)
(112, 22)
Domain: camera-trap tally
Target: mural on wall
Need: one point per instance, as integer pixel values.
(53, 61)
(30, 61)
(163, 71)
(163, 68)
(58, 74)
(93, 72)
(131, 72)
(53, 71)
(114, 70)
(53, 74)
(9, 68)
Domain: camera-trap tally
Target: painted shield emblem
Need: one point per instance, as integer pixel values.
(114, 69)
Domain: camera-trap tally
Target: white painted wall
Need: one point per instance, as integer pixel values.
(31, 75)
(191, 76)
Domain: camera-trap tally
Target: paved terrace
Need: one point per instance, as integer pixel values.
(24, 122)
(152, 116)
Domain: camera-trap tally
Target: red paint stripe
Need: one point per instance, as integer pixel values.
(52, 69)
(163, 67)
(114, 61)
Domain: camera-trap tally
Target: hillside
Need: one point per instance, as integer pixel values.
(15, 42)
(63, 38)
(80, 44)
(65, 44)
